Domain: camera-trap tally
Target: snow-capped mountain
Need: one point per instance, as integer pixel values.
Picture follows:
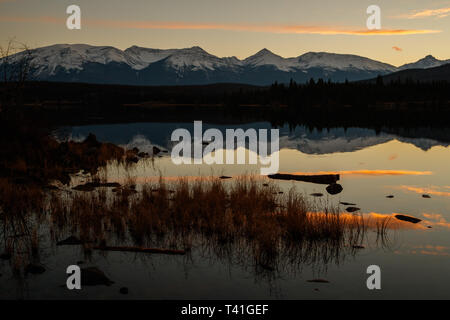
(145, 66)
(425, 63)
(268, 58)
(333, 61)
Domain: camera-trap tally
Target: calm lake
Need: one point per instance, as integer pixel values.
(414, 258)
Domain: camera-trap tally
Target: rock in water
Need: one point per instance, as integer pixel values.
(334, 188)
(34, 269)
(5, 256)
(352, 209)
(156, 150)
(318, 179)
(70, 241)
(317, 195)
(426, 196)
(94, 277)
(319, 281)
(407, 218)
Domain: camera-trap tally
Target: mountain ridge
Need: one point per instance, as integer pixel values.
(148, 66)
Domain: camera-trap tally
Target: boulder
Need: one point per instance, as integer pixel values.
(93, 276)
(334, 188)
(70, 241)
(34, 269)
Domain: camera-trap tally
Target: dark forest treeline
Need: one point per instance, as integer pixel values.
(306, 95)
(317, 103)
(349, 94)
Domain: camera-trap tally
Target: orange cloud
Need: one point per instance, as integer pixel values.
(371, 173)
(431, 250)
(286, 29)
(439, 13)
(436, 220)
(397, 48)
(374, 220)
(431, 191)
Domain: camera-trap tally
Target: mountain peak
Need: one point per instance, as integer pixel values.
(264, 52)
(427, 62)
(195, 49)
(430, 57)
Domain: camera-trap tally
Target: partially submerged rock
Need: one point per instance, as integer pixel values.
(334, 188)
(390, 196)
(426, 196)
(5, 256)
(317, 195)
(91, 186)
(156, 150)
(70, 241)
(407, 218)
(34, 269)
(347, 204)
(352, 209)
(224, 177)
(319, 281)
(93, 276)
(143, 154)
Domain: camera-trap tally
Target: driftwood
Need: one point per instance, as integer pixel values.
(319, 179)
(142, 250)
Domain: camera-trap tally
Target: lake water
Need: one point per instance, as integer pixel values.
(414, 259)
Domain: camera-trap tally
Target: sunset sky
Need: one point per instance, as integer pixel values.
(411, 29)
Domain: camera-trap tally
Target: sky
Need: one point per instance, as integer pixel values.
(410, 29)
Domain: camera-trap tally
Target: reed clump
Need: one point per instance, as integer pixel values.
(240, 220)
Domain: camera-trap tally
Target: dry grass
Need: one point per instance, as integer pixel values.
(240, 220)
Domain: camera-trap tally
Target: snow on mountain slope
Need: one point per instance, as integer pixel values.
(341, 62)
(425, 63)
(140, 58)
(73, 56)
(70, 57)
(266, 57)
(65, 61)
(196, 58)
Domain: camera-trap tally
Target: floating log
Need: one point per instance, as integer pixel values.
(319, 179)
(319, 281)
(142, 250)
(70, 241)
(317, 195)
(91, 186)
